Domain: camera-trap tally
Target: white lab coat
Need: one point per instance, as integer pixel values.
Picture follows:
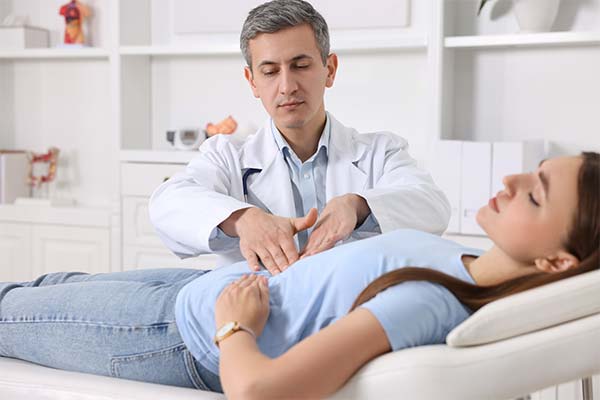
(186, 209)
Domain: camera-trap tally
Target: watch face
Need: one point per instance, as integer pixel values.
(225, 328)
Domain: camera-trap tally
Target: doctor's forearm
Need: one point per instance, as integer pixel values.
(229, 226)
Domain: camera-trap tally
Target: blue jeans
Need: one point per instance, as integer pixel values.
(118, 324)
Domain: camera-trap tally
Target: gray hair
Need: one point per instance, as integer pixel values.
(276, 15)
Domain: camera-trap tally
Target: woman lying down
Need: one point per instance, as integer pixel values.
(305, 332)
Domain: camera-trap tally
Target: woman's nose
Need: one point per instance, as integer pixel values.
(510, 182)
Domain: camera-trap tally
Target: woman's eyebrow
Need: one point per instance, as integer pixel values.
(545, 182)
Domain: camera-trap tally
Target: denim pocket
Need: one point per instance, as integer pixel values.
(172, 365)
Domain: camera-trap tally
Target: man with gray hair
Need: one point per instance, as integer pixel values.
(304, 182)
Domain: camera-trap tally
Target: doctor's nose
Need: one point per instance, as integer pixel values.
(287, 83)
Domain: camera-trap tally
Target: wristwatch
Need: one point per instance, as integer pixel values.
(229, 329)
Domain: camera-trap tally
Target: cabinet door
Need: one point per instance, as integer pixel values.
(61, 248)
(137, 228)
(15, 252)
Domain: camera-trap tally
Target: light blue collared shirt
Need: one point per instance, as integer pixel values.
(308, 178)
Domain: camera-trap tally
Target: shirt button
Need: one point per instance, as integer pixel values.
(306, 176)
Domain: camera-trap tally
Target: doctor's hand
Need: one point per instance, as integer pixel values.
(339, 218)
(267, 238)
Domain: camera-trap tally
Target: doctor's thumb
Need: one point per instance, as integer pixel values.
(305, 222)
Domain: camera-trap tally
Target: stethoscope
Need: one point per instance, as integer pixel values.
(248, 172)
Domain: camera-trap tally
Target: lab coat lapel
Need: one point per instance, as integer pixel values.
(272, 186)
(343, 176)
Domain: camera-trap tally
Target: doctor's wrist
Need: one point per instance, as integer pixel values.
(232, 224)
(361, 207)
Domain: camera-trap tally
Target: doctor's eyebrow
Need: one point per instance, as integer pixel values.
(292, 60)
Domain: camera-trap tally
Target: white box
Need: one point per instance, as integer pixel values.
(510, 158)
(446, 172)
(22, 37)
(14, 170)
(476, 184)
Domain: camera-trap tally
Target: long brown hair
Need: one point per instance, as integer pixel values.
(583, 242)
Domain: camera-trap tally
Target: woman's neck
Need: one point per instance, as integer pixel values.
(495, 266)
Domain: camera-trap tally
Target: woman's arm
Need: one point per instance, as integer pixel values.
(314, 368)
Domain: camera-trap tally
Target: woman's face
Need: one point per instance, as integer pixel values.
(531, 217)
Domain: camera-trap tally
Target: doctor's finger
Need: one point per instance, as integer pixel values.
(267, 261)
(288, 246)
(277, 254)
(252, 259)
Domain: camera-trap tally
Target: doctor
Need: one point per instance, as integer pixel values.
(304, 182)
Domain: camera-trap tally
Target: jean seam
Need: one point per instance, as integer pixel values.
(88, 323)
(195, 377)
(115, 360)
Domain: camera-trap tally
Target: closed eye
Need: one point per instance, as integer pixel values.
(535, 203)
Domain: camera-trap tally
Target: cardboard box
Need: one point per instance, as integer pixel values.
(14, 171)
(476, 184)
(22, 37)
(447, 175)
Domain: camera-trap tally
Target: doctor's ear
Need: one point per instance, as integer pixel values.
(332, 65)
(559, 262)
(250, 78)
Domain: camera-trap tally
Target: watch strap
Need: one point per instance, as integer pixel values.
(236, 328)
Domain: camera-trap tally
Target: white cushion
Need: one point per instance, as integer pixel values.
(530, 311)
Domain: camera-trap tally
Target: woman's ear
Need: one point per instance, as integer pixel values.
(559, 262)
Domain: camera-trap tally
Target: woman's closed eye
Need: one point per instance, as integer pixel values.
(533, 201)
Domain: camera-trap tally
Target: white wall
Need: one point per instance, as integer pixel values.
(528, 94)
(66, 104)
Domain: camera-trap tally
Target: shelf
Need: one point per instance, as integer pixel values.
(524, 40)
(55, 53)
(155, 156)
(71, 216)
(383, 43)
(180, 50)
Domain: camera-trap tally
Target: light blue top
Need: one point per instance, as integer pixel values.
(317, 291)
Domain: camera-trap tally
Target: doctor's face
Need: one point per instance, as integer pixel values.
(289, 77)
(532, 216)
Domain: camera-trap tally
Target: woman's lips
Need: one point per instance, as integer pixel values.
(493, 204)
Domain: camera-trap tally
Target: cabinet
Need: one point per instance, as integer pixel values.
(15, 248)
(141, 246)
(36, 241)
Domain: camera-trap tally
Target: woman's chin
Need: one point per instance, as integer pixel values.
(481, 219)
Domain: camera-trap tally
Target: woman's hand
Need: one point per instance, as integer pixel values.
(245, 301)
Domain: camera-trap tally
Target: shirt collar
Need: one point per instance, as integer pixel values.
(282, 144)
